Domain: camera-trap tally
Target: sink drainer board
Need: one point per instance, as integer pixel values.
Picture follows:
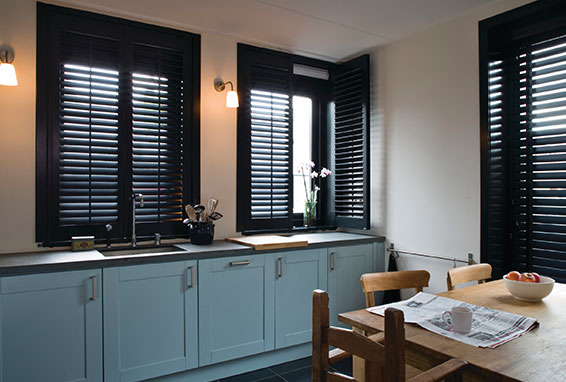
(263, 242)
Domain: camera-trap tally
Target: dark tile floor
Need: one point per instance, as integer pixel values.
(294, 371)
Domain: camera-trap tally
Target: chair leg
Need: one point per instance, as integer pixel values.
(320, 348)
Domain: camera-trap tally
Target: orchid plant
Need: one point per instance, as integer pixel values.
(307, 170)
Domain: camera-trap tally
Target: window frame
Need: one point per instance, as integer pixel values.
(50, 19)
(250, 55)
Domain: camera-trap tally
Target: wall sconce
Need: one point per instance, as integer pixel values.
(7, 70)
(231, 97)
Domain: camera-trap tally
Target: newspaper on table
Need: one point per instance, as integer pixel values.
(490, 327)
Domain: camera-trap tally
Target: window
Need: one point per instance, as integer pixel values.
(302, 149)
(295, 109)
(523, 93)
(116, 115)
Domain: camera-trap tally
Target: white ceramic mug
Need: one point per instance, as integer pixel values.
(460, 319)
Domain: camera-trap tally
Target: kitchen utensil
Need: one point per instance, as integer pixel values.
(212, 203)
(215, 216)
(191, 212)
(199, 209)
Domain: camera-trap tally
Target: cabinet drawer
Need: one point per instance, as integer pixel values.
(236, 263)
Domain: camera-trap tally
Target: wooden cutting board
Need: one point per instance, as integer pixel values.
(263, 242)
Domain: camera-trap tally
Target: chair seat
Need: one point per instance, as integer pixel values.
(411, 371)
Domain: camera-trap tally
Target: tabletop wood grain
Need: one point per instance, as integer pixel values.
(539, 355)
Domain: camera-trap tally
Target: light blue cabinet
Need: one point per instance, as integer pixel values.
(162, 321)
(236, 307)
(298, 273)
(150, 320)
(51, 327)
(345, 266)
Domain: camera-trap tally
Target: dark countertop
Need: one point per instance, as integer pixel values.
(38, 262)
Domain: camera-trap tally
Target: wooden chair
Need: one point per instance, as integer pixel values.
(384, 361)
(375, 282)
(476, 272)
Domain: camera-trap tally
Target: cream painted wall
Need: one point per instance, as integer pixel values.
(218, 131)
(424, 141)
(429, 94)
(17, 130)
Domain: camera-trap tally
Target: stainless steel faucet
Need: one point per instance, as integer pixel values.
(134, 196)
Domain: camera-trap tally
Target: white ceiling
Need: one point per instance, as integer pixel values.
(329, 29)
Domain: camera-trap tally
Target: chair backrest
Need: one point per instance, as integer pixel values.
(391, 353)
(476, 272)
(375, 282)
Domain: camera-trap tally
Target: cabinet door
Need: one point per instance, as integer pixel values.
(235, 307)
(150, 320)
(346, 265)
(298, 273)
(51, 327)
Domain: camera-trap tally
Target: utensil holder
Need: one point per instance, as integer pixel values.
(201, 233)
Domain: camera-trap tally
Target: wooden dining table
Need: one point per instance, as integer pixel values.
(538, 355)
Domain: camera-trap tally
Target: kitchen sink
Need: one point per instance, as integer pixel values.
(129, 251)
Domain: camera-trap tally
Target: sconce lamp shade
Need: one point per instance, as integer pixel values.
(231, 96)
(8, 75)
(232, 99)
(7, 70)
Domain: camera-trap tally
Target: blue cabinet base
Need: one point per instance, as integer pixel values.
(239, 366)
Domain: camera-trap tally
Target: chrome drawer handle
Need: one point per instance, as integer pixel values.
(237, 263)
(280, 261)
(94, 288)
(192, 284)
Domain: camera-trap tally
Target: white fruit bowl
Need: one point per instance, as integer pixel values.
(530, 291)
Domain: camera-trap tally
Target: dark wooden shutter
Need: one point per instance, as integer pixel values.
(351, 143)
(264, 143)
(497, 209)
(526, 160)
(117, 113)
(157, 134)
(543, 89)
(89, 88)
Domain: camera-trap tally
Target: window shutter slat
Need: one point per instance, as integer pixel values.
(546, 91)
(264, 143)
(497, 207)
(270, 161)
(157, 134)
(88, 143)
(351, 182)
